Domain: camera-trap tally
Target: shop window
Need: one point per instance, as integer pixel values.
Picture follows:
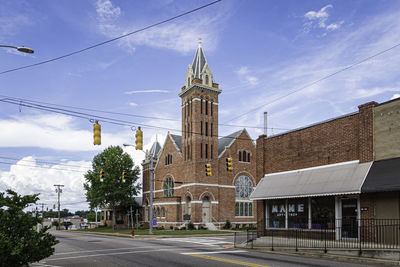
(243, 189)
(277, 214)
(323, 213)
(298, 213)
(168, 187)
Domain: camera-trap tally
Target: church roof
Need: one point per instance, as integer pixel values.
(226, 141)
(155, 148)
(198, 62)
(178, 141)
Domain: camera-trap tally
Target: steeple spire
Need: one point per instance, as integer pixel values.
(199, 61)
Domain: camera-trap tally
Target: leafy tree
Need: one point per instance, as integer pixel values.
(20, 243)
(112, 192)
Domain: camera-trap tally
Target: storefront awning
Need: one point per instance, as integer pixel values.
(334, 179)
(383, 176)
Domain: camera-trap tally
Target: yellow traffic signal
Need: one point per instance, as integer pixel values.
(124, 177)
(139, 139)
(208, 169)
(96, 133)
(229, 165)
(101, 176)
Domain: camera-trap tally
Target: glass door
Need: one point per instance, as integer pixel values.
(349, 218)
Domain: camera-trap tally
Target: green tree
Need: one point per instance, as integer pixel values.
(20, 243)
(112, 192)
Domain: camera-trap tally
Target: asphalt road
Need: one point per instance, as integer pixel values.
(78, 249)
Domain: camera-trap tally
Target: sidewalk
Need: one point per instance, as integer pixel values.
(334, 257)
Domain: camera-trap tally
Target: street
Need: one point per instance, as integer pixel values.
(77, 249)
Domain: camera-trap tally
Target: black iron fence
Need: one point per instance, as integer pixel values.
(346, 233)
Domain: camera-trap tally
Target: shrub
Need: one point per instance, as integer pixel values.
(171, 227)
(227, 225)
(190, 226)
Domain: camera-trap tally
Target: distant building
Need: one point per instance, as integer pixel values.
(181, 185)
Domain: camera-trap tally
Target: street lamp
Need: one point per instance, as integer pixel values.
(22, 49)
(151, 156)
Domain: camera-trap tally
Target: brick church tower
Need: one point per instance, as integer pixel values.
(181, 183)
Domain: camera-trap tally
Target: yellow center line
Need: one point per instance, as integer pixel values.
(228, 261)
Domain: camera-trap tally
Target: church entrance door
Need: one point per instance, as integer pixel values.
(206, 210)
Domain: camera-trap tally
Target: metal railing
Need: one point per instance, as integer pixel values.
(346, 233)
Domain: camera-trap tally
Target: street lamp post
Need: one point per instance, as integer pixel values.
(151, 155)
(22, 49)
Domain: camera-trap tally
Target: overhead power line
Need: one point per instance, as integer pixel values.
(92, 118)
(124, 114)
(112, 40)
(42, 167)
(317, 81)
(43, 162)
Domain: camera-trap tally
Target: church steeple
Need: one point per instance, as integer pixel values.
(199, 69)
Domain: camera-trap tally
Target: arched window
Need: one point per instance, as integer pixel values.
(248, 157)
(158, 212)
(243, 189)
(244, 156)
(240, 155)
(188, 205)
(207, 79)
(168, 187)
(163, 212)
(188, 81)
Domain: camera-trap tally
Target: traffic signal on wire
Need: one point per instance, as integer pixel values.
(101, 176)
(139, 139)
(229, 166)
(96, 133)
(208, 169)
(124, 177)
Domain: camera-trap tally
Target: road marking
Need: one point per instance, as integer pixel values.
(42, 264)
(98, 250)
(200, 241)
(111, 254)
(213, 252)
(243, 263)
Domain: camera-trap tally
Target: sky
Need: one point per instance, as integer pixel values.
(259, 53)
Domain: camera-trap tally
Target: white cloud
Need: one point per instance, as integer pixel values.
(106, 10)
(144, 91)
(180, 35)
(395, 96)
(132, 104)
(28, 177)
(244, 75)
(319, 19)
(361, 93)
(53, 132)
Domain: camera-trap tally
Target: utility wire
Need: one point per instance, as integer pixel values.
(317, 81)
(111, 40)
(42, 167)
(92, 117)
(126, 114)
(43, 162)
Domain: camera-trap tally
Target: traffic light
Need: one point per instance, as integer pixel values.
(229, 166)
(101, 176)
(124, 177)
(208, 169)
(96, 133)
(139, 139)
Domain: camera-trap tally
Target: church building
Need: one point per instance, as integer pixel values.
(191, 174)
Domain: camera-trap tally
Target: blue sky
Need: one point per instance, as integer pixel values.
(257, 50)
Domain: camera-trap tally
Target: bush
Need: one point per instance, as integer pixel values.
(190, 226)
(227, 225)
(171, 227)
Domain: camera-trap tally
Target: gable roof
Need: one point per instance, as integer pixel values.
(177, 140)
(155, 149)
(227, 141)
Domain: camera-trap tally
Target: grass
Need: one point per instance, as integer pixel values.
(155, 231)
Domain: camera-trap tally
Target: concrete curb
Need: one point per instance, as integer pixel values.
(341, 258)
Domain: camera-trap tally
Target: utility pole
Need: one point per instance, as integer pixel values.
(42, 204)
(151, 194)
(59, 191)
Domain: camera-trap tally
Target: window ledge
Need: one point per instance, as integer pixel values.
(302, 229)
(244, 217)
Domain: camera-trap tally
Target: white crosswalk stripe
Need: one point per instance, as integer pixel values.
(200, 241)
